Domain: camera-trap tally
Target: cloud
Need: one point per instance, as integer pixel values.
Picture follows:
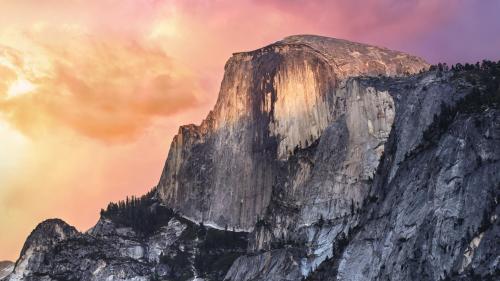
(108, 89)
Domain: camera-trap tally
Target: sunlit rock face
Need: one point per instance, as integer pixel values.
(272, 102)
(331, 178)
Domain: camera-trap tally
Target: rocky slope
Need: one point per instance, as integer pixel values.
(117, 248)
(6, 268)
(323, 159)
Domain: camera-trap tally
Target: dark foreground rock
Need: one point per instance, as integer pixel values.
(6, 268)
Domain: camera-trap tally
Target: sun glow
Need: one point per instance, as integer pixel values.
(20, 87)
(11, 157)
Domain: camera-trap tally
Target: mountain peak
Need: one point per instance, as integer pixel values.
(272, 101)
(6, 268)
(348, 58)
(49, 232)
(315, 39)
(45, 235)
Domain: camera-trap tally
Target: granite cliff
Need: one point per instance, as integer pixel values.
(272, 102)
(6, 268)
(322, 159)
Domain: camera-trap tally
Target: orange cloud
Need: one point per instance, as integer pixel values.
(105, 89)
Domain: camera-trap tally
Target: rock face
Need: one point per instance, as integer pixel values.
(438, 194)
(323, 159)
(6, 268)
(273, 101)
(424, 212)
(116, 249)
(42, 239)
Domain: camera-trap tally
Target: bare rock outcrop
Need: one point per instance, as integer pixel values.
(273, 101)
(42, 239)
(6, 268)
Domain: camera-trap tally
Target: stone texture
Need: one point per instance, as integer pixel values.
(419, 215)
(178, 250)
(272, 101)
(42, 238)
(273, 265)
(6, 268)
(429, 225)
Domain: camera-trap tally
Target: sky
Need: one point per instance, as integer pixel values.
(93, 91)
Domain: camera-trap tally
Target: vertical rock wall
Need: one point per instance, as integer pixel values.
(272, 102)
